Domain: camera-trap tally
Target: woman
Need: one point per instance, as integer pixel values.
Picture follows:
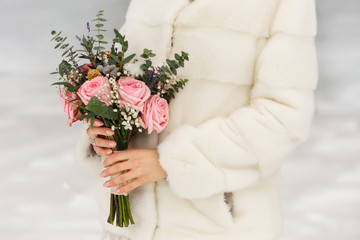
(213, 173)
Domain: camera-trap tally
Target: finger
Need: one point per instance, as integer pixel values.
(119, 157)
(116, 168)
(103, 151)
(97, 122)
(129, 187)
(92, 132)
(122, 178)
(100, 142)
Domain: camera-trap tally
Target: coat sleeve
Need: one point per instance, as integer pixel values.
(226, 154)
(85, 153)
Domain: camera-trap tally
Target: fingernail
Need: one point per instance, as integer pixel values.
(98, 123)
(107, 184)
(109, 132)
(112, 144)
(102, 174)
(109, 151)
(118, 190)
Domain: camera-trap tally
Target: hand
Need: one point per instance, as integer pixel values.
(101, 146)
(142, 166)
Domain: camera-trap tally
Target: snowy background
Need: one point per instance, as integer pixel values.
(44, 194)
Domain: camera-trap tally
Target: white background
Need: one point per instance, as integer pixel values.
(44, 194)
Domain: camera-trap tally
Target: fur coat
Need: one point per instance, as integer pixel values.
(248, 104)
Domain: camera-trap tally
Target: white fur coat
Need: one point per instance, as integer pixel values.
(249, 103)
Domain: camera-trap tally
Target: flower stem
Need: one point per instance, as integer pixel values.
(112, 210)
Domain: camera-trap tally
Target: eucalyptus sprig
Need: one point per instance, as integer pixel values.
(147, 55)
(99, 29)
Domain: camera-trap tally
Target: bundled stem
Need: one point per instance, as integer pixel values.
(120, 212)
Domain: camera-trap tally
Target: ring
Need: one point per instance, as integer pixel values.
(93, 142)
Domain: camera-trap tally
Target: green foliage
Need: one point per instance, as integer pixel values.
(170, 92)
(68, 86)
(99, 28)
(178, 62)
(64, 68)
(100, 109)
(147, 54)
(62, 44)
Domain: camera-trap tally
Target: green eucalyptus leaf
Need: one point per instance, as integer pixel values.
(178, 57)
(99, 25)
(173, 70)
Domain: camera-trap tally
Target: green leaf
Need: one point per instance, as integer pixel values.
(185, 55)
(115, 58)
(119, 36)
(64, 46)
(129, 58)
(99, 48)
(125, 46)
(120, 55)
(57, 35)
(173, 70)
(102, 19)
(101, 37)
(53, 32)
(99, 108)
(69, 87)
(64, 67)
(85, 57)
(99, 25)
(178, 57)
(53, 73)
(172, 63)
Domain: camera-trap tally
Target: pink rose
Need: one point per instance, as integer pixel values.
(155, 115)
(133, 92)
(98, 87)
(85, 68)
(70, 106)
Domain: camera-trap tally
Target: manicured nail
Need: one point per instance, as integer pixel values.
(109, 132)
(103, 174)
(109, 151)
(112, 144)
(118, 190)
(98, 123)
(107, 184)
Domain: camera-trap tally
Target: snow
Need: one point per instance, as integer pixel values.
(46, 195)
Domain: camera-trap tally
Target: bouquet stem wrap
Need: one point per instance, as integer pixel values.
(120, 212)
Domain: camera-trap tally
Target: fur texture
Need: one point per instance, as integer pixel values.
(249, 103)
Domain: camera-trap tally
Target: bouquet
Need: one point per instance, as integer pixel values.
(128, 94)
